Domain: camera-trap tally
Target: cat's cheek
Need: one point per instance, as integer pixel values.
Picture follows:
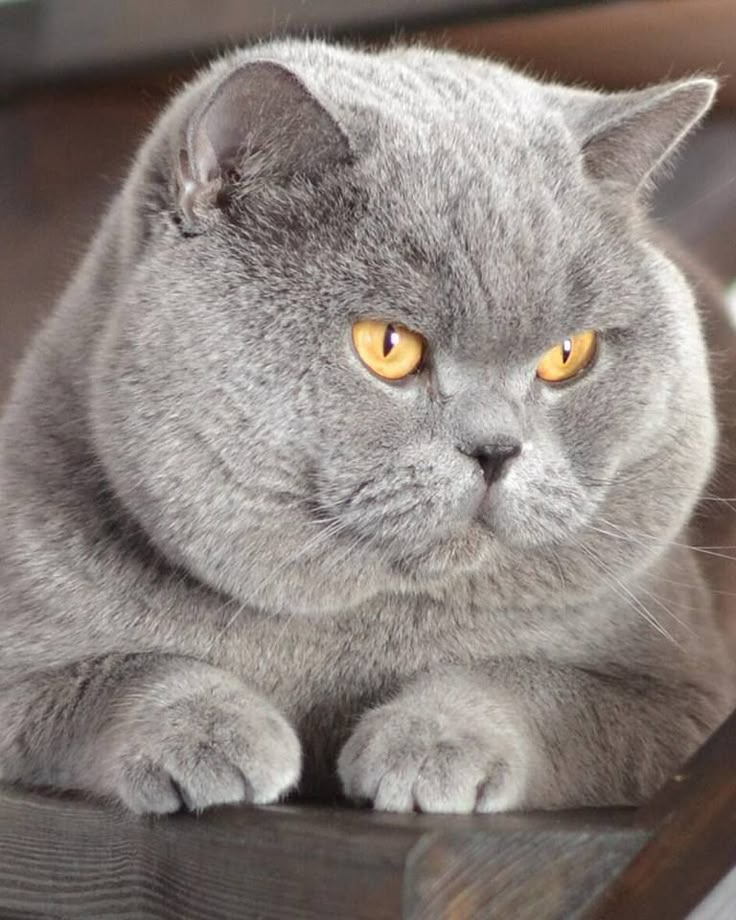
(536, 507)
(429, 496)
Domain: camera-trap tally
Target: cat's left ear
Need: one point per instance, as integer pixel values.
(626, 137)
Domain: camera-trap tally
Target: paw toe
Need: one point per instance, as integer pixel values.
(147, 789)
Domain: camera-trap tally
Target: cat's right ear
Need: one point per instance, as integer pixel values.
(261, 123)
(627, 137)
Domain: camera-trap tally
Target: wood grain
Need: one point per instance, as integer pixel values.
(692, 847)
(527, 874)
(67, 857)
(71, 858)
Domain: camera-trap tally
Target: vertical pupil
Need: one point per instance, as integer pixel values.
(390, 340)
(566, 350)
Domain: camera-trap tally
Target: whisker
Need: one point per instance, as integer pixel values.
(648, 539)
(321, 537)
(659, 601)
(336, 562)
(686, 584)
(614, 581)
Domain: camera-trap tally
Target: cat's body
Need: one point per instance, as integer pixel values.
(195, 544)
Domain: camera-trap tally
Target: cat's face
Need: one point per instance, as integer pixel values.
(262, 452)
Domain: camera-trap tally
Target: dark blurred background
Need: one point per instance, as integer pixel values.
(81, 80)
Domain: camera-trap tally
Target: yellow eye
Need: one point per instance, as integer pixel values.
(568, 358)
(388, 349)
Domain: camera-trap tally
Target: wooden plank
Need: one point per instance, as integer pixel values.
(693, 839)
(73, 858)
(64, 856)
(528, 874)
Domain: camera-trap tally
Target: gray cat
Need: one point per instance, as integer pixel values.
(363, 445)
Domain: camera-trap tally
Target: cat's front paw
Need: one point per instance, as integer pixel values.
(401, 759)
(212, 749)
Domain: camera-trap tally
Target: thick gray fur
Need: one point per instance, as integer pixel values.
(231, 557)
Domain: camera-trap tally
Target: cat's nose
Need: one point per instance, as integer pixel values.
(493, 458)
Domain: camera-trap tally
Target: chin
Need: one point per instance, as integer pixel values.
(464, 552)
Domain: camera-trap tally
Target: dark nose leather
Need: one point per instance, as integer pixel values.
(493, 458)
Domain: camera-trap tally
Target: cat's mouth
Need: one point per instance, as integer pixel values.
(456, 554)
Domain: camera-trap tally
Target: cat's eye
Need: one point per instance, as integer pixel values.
(390, 350)
(568, 358)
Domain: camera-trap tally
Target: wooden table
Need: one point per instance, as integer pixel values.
(61, 857)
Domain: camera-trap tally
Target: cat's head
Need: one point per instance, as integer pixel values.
(390, 319)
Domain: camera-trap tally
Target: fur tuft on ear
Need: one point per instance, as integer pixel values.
(626, 137)
(260, 122)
